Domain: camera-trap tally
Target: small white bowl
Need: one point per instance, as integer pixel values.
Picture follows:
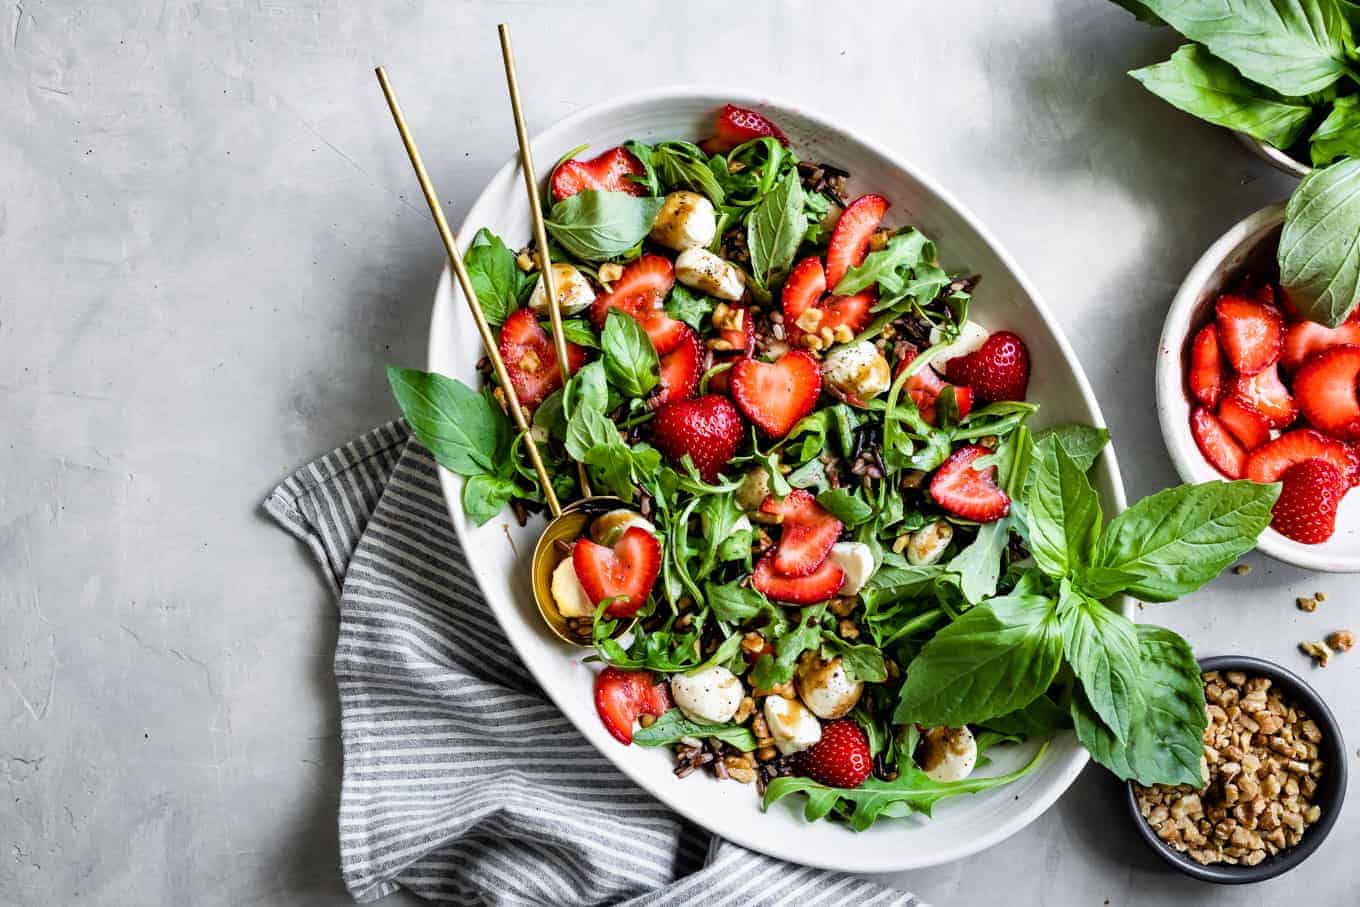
(1274, 156)
(1249, 246)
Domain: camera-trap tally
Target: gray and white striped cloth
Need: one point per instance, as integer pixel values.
(462, 782)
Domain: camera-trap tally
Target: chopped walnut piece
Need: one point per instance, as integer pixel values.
(1341, 640)
(1307, 604)
(1320, 652)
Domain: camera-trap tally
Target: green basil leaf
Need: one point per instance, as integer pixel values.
(893, 584)
(1062, 510)
(587, 389)
(860, 661)
(979, 565)
(1339, 134)
(1202, 85)
(579, 332)
(1039, 720)
(596, 226)
(1082, 443)
(996, 658)
(495, 276)
(775, 230)
(1140, 12)
(689, 306)
(1102, 582)
(1319, 256)
(1295, 47)
(630, 360)
(588, 429)
(1181, 538)
(1102, 648)
(890, 266)
(673, 725)
(1165, 743)
(484, 496)
(460, 429)
(845, 506)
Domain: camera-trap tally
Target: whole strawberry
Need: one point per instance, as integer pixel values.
(708, 428)
(999, 370)
(840, 759)
(1310, 494)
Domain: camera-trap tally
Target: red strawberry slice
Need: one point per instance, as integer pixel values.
(775, 395)
(1304, 339)
(840, 759)
(621, 696)
(925, 388)
(998, 370)
(850, 239)
(639, 292)
(1310, 494)
(968, 492)
(708, 428)
(805, 289)
(743, 341)
(1248, 426)
(1217, 443)
(1325, 390)
(1269, 461)
(679, 371)
(1265, 393)
(1251, 334)
(817, 586)
(625, 571)
(737, 125)
(608, 172)
(1206, 366)
(531, 359)
(807, 532)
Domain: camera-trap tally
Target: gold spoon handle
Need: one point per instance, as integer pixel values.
(456, 260)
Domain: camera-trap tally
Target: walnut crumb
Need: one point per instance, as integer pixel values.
(1341, 640)
(1242, 569)
(1307, 604)
(1320, 652)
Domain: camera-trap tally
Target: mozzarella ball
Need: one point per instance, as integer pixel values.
(856, 561)
(754, 489)
(701, 270)
(928, 543)
(686, 221)
(568, 593)
(710, 696)
(609, 527)
(792, 726)
(825, 688)
(947, 753)
(858, 370)
(971, 338)
(574, 293)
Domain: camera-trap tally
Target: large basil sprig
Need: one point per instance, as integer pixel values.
(594, 225)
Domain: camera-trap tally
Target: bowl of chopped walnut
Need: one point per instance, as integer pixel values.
(1275, 768)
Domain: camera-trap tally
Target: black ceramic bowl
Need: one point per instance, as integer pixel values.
(1330, 794)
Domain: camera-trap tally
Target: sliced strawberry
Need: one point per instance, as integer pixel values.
(626, 571)
(850, 239)
(639, 292)
(1304, 339)
(925, 388)
(775, 395)
(741, 340)
(1206, 366)
(1310, 494)
(621, 696)
(608, 172)
(817, 586)
(679, 371)
(1251, 334)
(806, 532)
(708, 428)
(841, 758)
(1217, 443)
(531, 359)
(805, 289)
(1269, 461)
(1265, 393)
(968, 492)
(998, 370)
(737, 125)
(1325, 389)
(1249, 427)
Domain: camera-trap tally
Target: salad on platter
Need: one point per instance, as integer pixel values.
(846, 567)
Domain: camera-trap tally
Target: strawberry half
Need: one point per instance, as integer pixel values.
(640, 291)
(608, 172)
(621, 696)
(817, 586)
(1310, 494)
(850, 238)
(679, 371)
(1206, 366)
(925, 388)
(998, 370)
(1304, 339)
(1265, 393)
(626, 571)
(775, 395)
(968, 492)
(530, 358)
(708, 428)
(1248, 426)
(840, 759)
(737, 125)
(807, 532)
(1251, 333)
(1325, 390)
(1217, 443)
(1269, 461)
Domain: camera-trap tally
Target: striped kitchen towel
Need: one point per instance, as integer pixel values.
(462, 782)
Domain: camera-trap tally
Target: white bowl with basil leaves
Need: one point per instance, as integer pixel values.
(499, 551)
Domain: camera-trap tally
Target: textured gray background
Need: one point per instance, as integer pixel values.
(210, 244)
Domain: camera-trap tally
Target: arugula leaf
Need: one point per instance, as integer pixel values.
(646, 155)
(1082, 443)
(845, 506)
(860, 661)
(1165, 740)
(1319, 252)
(630, 360)
(1062, 510)
(689, 306)
(459, 427)
(889, 266)
(979, 564)
(1202, 85)
(594, 225)
(484, 496)
(735, 603)
(1102, 648)
(775, 230)
(673, 725)
(685, 166)
(996, 658)
(1181, 538)
(768, 672)
(495, 276)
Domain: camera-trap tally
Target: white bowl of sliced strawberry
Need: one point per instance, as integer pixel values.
(1248, 389)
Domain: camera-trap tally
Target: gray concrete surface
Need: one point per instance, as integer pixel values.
(210, 244)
